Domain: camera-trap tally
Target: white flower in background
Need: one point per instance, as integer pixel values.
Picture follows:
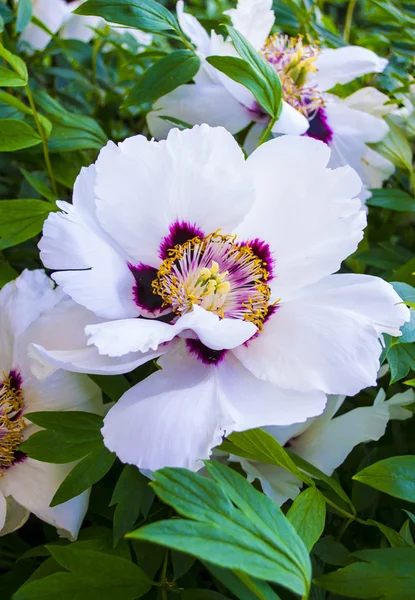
(306, 73)
(326, 441)
(28, 485)
(182, 248)
(58, 16)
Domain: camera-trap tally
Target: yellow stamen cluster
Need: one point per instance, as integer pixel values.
(11, 422)
(294, 61)
(239, 291)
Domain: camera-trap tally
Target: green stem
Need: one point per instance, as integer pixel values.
(412, 178)
(186, 42)
(42, 134)
(349, 19)
(163, 576)
(267, 131)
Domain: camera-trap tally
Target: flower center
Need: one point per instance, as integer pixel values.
(11, 419)
(293, 62)
(217, 274)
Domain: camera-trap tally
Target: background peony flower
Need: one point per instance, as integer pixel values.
(28, 485)
(326, 441)
(224, 266)
(58, 16)
(306, 73)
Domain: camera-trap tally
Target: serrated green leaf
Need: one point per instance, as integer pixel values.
(254, 538)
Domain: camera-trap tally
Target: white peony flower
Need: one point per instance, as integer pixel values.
(58, 16)
(182, 248)
(326, 441)
(27, 485)
(306, 73)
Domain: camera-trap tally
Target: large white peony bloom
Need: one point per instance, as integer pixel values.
(182, 248)
(326, 441)
(306, 73)
(58, 16)
(27, 485)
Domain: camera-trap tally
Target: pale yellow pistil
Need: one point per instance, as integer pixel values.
(212, 281)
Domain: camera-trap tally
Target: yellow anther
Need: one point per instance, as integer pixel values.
(210, 287)
(205, 273)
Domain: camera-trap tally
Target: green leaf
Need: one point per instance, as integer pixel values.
(394, 476)
(332, 551)
(199, 594)
(392, 199)
(128, 494)
(393, 537)
(395, 147)
(20, 220)
(93, 576)
(114, 386)
(242, 585)
(259, 445)
(146, 15)
(242, 72)
(253, 71)
(48, 446)
(39, 185)
(16, 135)
(386, 574)
(19, 105)
(91, 469)
(16, 63)
(7, 273)
(164, 76)
(234, 526)
(24, 15)
(10, 78)
(308, 515)
(401, 359)
(71, 425)
(406, 533)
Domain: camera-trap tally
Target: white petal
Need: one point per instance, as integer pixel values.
(197, 176)
(58, 340)
(254, 19)
(92, 269)
(193, 29)
(342, 65)
(326, 447)
(290, 121)
(33, 485)
(53, 14)
(272, 406)
(347, 121)
(328, 337)
(305, 211)
(397, 402)
(116, 338)
(16, 515)
(172, 418)
(177, 415)
(376, 168)
(276, 482)
(370, 100)
(3, 511)
(62, 391)
(196, 104)
(21, 302)
(80, 27)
